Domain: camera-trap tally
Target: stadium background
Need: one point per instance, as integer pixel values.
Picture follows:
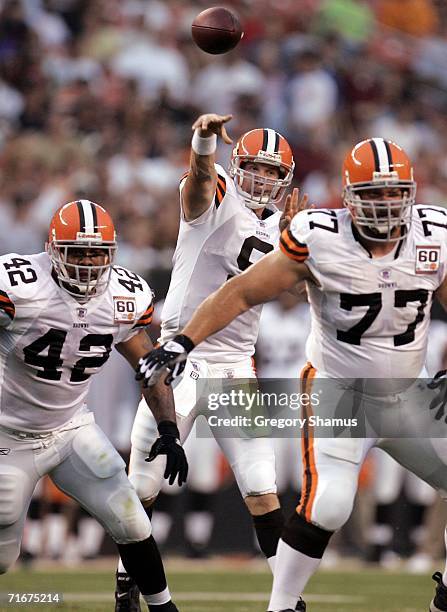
(97, 98)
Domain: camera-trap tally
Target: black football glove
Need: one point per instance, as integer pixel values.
(439, 381)
(169, 444)
(169, 356)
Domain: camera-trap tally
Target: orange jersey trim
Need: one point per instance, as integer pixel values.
(310, 474)
(221, 190)
(146, 317)
(6, 305)
(291, 247)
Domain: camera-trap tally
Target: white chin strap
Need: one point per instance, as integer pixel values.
(254, 204)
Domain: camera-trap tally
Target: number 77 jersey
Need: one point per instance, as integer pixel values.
(51, 344)
(370, 316)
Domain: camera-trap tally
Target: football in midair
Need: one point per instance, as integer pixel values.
(216, 30)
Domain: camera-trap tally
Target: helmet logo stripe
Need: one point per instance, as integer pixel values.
(271, 141)
(88, 216)
(81, 216)
(382, 160)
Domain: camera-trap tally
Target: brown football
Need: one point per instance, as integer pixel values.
(216, 30)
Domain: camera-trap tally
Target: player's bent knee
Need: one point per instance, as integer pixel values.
(131, 522)
(11, 495)
(146, 477)
(333, 506)
(257, 479)
(261, 504)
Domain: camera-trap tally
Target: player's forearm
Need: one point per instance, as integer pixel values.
(215, 313)
(200, 185)
(262, 282)
(160, 400)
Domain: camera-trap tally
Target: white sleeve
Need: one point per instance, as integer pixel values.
(219, 194)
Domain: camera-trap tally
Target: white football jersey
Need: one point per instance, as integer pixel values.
(370, 316)
(51, 344)
(280, 349)
(219, 244)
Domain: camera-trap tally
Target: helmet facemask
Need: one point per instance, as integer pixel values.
(377, 219)
(83, 282)
(262, 191)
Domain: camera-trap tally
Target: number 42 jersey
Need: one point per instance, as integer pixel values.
(370, 316)
(51, 344)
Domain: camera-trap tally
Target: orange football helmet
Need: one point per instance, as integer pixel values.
(76, 227)
(379, 189)
(267, 147)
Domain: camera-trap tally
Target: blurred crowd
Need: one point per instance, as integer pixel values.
(97, 99)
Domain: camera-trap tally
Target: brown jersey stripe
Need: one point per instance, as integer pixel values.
(5, 299)
(146, 317)
(297, 243)
(144, 323)
(293, 245)
(299, 255)
(145, 320)
(221, 190)
(9, 310)
(149, 310)
(298, 258)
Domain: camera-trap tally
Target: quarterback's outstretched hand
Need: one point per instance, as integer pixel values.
(293, 206)
(214, 124)
(169, 444)
(170, 356)
(439, 381)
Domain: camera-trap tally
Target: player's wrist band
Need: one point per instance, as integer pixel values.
(168, 428)
(184, 341)
(203, 146)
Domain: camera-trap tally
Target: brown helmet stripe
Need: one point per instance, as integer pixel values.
(388, 151)
(95, 217)
(265, 139)
(276, 142)
(81, 216)
(375, 154)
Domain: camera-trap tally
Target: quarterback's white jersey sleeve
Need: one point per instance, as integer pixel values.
(220, 244)
(370, 315)
(221, 189)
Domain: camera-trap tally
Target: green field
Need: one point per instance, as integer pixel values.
(241, 588)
